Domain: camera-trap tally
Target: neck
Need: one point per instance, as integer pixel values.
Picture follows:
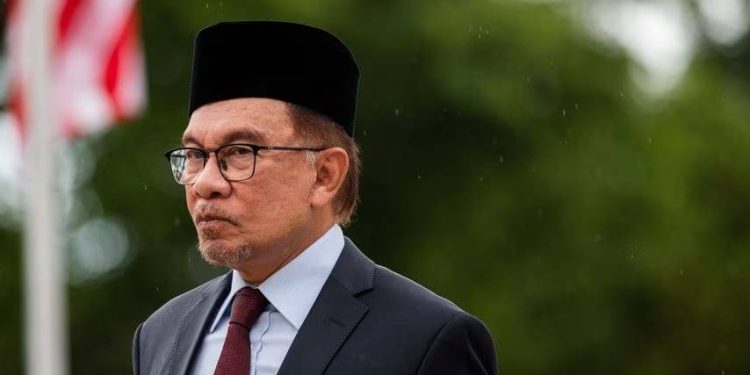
(256, 271)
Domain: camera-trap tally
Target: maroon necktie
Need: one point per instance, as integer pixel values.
(235, 355)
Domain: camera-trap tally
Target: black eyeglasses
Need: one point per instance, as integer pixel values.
(236, 161)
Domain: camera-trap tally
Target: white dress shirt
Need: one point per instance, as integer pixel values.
(291, 292)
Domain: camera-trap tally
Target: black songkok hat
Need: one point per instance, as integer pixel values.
(294, 63)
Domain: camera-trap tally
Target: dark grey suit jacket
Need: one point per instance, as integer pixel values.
(366, 320)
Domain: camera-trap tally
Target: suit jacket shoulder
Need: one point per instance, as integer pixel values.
(164, 343)
(409, 295)
(386, 324)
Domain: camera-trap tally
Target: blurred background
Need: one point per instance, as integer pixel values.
(573, 173)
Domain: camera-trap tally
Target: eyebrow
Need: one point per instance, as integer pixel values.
(231, 137)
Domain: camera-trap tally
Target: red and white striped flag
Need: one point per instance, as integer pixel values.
(75, 67)
(96, 67)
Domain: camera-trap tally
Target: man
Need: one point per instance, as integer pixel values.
(270, 170)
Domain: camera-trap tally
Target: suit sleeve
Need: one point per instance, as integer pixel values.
(462, 347)
(137, 350)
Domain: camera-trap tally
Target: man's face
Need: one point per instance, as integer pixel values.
(264, 219)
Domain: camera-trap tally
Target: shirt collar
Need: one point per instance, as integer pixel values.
(293, 289)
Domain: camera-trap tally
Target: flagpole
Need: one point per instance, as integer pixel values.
(45, 287)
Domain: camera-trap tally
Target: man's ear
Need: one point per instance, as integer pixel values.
(332, 165)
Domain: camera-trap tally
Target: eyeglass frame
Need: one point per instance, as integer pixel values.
(256, 148)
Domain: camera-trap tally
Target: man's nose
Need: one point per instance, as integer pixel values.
(210, 183)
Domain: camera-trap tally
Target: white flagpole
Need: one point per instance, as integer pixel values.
(45, 288)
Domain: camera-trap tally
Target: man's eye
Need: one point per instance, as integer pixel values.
(238, 151)
(193, 154)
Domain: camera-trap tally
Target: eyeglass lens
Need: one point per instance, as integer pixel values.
(236, 162)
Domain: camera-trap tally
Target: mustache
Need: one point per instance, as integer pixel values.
(205, 213)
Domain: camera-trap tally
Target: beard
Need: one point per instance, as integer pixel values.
(215, 250)
(218, 253)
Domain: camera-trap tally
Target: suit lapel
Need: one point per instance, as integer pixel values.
(195, 323)
(333, 316)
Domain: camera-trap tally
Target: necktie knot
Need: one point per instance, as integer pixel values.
(247, 306)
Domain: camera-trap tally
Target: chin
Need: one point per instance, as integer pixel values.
(221, 253)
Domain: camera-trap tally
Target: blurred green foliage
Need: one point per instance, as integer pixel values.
(510, 165)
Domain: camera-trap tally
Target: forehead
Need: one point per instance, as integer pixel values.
(244, 119)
